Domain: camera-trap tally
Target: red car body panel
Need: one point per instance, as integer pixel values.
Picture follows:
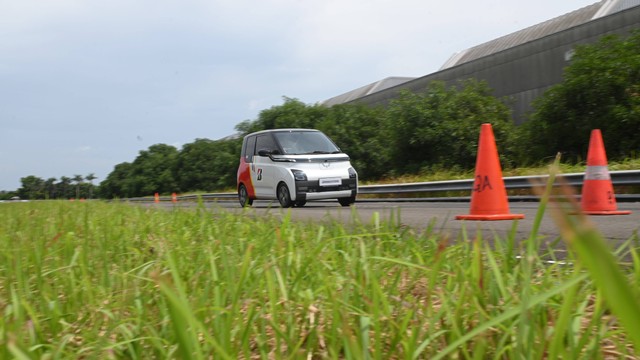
(244, 177)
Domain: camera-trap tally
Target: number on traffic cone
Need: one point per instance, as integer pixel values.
(488, 196)
(597, 189)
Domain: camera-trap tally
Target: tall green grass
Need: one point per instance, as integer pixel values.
(104, 280)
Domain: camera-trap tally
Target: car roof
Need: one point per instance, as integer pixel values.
(281, 130)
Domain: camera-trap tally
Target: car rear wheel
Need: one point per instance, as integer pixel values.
(243, 196)
(347, 201)
(284, 197)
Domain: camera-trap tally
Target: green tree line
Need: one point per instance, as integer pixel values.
(35, 188)
(425, 131)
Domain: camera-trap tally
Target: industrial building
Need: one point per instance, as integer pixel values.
(519, 66)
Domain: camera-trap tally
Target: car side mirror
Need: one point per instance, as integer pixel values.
(265, 152)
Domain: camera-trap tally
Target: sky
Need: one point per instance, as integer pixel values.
(88, 84)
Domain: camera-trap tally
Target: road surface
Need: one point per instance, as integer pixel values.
(439, 218)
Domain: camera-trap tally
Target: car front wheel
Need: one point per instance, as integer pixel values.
(284, 196)
(347, 201)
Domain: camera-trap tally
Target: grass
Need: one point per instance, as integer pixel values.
(107, 280)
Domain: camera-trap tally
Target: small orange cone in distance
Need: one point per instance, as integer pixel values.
(488, 196)
(174, 198)
(597, 189)
(156, 198)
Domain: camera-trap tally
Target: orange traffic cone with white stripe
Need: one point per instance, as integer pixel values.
(597, 189)
(156, 198)
(489, 195)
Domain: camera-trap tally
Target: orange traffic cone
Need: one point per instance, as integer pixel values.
(597, 190)
(174, 198)
(156, 198)
(489, 196)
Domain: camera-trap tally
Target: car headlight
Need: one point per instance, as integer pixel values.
(352, 173)
(299, 175)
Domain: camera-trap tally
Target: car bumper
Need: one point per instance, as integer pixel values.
(311, 190)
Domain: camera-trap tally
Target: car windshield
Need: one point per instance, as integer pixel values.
(305, 142)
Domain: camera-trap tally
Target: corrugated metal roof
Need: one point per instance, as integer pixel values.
(613, 6)
(366, 90)
(531, 33)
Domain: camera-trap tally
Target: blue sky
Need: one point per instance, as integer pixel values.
(87, 84)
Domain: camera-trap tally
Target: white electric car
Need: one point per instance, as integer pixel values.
(294, 166)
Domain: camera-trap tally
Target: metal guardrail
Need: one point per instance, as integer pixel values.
(618, 178)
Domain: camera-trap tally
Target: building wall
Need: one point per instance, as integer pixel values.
(524, 72)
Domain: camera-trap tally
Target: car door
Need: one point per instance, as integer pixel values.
(245, 169)
(263, 174)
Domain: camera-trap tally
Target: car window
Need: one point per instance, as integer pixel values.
(249, 149)
(305, 142)
(265, 142)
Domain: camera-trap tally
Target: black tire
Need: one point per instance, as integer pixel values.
(347, 201)
(243, 196)
(300, 203)
(284, 196)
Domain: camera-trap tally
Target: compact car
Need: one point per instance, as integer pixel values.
(294, 166)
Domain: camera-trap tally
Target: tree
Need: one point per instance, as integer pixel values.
(118, 182)
(600, 90)
(291, 114)
(440, 126)
(50, 188)
(33, 188)
(79, 180)
(356, 129)
(64, 187)
(90, 178)
(208, 165)
(153, 171)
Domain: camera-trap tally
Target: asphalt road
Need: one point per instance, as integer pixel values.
(439, 218)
